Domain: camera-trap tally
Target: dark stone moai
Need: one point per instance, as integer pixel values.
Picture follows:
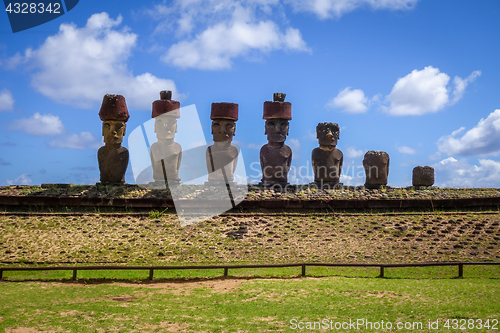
(222, 156)
(376, 164)
(423, 176)
(112, 157)
(327, 159)
(166, 154)
(275, 156)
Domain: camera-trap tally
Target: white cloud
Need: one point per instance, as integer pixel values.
(84, 140)
(6, 100)
(425, 91)
(294, 144)
(325, 9)
(213, 33)
(461, 84)
(352, 175)
(40, 125)
(459, 173)
(406, 150)
(215, 47)
(419, 92)
(351, 152)
(482, 140)
(254, 146)
(78, 66)
(435, 156)
(351, 101)
(21, 180)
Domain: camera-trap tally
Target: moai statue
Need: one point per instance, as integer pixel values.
(166, 154)
(326, 159)
(376, 164)
(222, 156)
(112, 157)
(275, 156)
(423, 176)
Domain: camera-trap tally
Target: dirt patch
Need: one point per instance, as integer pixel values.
(70, 313)
(21, 330)
(185, 287)
(123, 298)
(167, 327)
(381, 294)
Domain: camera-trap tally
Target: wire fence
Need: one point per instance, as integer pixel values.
(226, 268)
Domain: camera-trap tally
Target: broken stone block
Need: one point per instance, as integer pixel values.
(423, 176)
(376, 165)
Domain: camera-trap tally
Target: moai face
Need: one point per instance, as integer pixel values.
(223, 130)
(165, 127)
(327, 134)
(276, 130)
(113, 131)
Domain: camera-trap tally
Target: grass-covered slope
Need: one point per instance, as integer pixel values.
(265, 239)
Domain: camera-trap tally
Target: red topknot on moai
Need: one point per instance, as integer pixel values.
(222, 156)
(275, 156)
(112, 157)
(166, 154)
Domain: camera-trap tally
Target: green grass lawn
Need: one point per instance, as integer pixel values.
(247, 305)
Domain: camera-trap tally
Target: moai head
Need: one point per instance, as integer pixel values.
(114, 114)
(165, 112)
(277, 114)
(224, 116)
(327, 134)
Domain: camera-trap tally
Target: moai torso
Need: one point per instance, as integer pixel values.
(171, 155)
(218, 156)
(327, 164)
(275, 163)
(113, 164)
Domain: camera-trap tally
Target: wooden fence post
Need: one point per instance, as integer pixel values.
(460, 270)
(303, 270)
(151, 272)
(225, 271)
(381, 271)
(74, 274)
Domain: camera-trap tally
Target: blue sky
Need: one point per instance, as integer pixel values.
(415, 78)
